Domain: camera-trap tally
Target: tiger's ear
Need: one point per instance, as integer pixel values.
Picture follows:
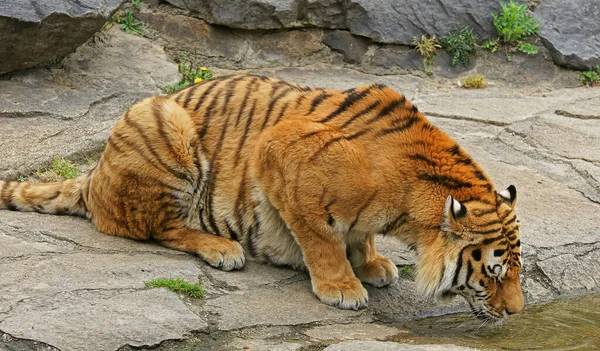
(509, 195)
(453, 211)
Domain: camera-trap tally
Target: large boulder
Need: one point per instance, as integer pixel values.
(35, 32)
(384, 21)
(571, 31)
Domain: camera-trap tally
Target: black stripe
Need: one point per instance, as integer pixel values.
(317, 101)
(188, 97)
(350, 100)
(479, 174)
(478, 199)
(419, 157)
(240, 199)
(232, 86)
(409, 123)
(512, 220)
(245, 135)
(148, 144)
(458, 266)
(213, 84)
(324, 147)
(365, 111)
(361, 209)
(54, 196)
(208, 114)
(330, 220)
(272, 103)
(492, 222)
(481, 213)
(157, 113)
(485, 232)
(357, 134)
(491, 240)
(232, 234)
(445, 181)
(281, 113)
(388, 109)
(393, 225)
(245, 100)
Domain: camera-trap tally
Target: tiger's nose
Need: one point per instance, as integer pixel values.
(515, 307)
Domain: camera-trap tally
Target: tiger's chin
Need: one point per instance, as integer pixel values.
(479, 311)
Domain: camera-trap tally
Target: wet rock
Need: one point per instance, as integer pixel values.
(571, 31)
(362, 331)
(391, 346)
(352, 47)
(43, 31)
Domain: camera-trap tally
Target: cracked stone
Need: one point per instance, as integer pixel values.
(568, 274)
(293, 304)
(92, 320)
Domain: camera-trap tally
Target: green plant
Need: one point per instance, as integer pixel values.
(21, 179)
(128, 23)
(137, 3)
(460, 44)
(591, 78)
(177, 285)
(474, 81)
(514, 26)
(189, 75)
(408, 271)
(428, 48)
(64, 168)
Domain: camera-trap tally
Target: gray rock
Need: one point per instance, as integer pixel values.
(103, 320)
(391, 346)
(362, 331)
(246, 14)
(384, 21)
(42, 31)
(352, 47)
(571, 31)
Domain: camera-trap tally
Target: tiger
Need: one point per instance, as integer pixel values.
(304, 178)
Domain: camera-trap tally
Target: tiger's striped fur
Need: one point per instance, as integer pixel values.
(300, 177)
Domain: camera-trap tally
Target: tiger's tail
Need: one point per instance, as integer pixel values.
(68, 197)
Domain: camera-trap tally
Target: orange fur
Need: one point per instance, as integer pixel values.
(299, 177)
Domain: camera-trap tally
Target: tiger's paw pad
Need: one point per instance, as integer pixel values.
(379, 272)
(348, 294)
(227, 255)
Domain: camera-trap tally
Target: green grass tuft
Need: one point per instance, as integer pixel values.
(460, 44)
(591, 78)
(64, 168)
(177, 285)
(474, 81)
(190, 75)
(408, 271)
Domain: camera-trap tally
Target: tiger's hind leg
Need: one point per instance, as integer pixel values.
(218, 252)
(370, 266)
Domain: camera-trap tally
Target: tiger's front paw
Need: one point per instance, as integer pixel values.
(348, 294)
(379, 272)
(226, 255)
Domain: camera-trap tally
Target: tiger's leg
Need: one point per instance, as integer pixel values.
(369, 266)
(324, 252)
(294, 182)
(218, 252)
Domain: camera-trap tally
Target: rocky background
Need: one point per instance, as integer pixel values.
(262, 33)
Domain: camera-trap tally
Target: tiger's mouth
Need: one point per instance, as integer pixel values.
(486, 313)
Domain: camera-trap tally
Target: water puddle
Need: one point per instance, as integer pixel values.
(559, 326)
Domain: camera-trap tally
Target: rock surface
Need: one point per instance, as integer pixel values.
(42, 31)
(571, 31)
(59, 269)
(76, 106)
(390, 346)
(384, 21)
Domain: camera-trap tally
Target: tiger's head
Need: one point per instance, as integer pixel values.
(480, 255)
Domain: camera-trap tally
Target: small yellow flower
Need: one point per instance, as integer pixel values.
(203, 69)
(197, 80)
